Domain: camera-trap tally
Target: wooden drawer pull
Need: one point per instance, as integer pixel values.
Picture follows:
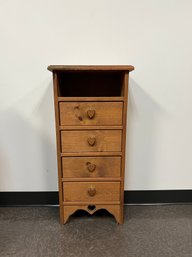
(91, 141)
(91, 166)
(91, 191)
(91, 114)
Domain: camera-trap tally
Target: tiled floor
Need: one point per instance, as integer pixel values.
(148, 231)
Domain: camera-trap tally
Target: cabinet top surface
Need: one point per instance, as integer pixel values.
(90, 68)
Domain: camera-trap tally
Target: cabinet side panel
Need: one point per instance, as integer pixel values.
(56, 94)
(125, 87)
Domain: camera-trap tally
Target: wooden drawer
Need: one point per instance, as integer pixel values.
(90, 113)
(91, 167)
(91, 141)
(91, 191)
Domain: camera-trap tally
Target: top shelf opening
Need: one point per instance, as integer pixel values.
(90, 83)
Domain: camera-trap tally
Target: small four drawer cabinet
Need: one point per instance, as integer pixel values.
(90, 113)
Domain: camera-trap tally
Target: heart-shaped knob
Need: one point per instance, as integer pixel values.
(91, 191)
(91, 114)
(91, 166)
(91, 141)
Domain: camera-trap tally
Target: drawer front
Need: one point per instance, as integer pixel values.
(91, 192)
(91, 167)
(90, 113)
(91, 141)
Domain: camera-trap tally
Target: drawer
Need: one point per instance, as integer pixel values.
(91, 141)
(91, 167)
(90, 113)
(91, 192)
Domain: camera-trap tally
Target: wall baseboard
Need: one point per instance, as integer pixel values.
(131, 197)
(158, 196)
(29, 198)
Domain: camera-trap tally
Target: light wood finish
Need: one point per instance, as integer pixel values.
(91, 191)
(91, 141)
(90, 113)
(90, 68)
(95, 202)
(91, 167)
(91, 154)
(91, 99)
(125, 89)
(82, 127)
(56, 93)
(92, 179)
(91, 209)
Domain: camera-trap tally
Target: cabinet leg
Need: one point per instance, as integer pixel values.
(117, 211)
(67, 211)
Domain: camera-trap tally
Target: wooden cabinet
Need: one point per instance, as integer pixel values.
(90, 113)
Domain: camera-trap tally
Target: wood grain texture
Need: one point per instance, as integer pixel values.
(112, 209)
(78, 113)
(91, 113)
(88, 202)
(82, 141)
(55, 91)
(91, 99)
(91, 191)
(68, 154)
(93, 127)
(90, 68)
(96, 179)
(91, 167)
(125, 88)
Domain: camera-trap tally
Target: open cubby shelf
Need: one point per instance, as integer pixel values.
(91, 84)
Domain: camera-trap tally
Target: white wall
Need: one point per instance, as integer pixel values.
(154, 36)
